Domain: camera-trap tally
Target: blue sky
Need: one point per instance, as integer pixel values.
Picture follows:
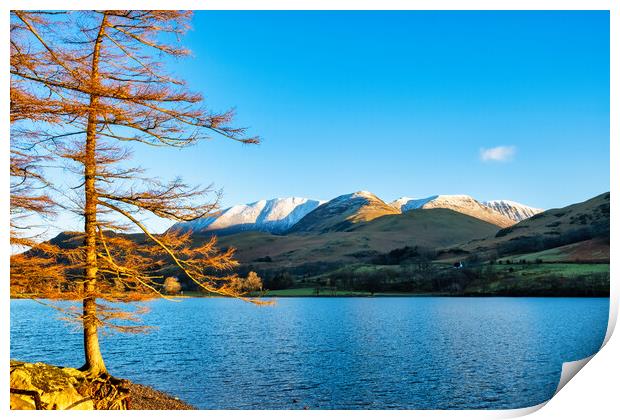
(401, 103)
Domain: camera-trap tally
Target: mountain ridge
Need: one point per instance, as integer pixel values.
(284, 215)
(276, 215)
(460, 203)
(512, 209)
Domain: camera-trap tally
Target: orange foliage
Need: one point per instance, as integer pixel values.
(84, 85)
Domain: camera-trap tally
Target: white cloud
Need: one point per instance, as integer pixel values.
(498, 154)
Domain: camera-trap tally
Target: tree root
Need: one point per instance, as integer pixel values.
(107, 392)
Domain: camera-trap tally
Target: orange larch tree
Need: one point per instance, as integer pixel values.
(101, 79)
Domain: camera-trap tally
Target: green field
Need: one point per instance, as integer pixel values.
(542, 279)
(559, 279)
(548, 255)
(552, 269)
(590, 251)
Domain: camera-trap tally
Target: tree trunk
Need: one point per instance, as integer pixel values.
(94, 360)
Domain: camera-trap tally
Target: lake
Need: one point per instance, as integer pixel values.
(337, 353)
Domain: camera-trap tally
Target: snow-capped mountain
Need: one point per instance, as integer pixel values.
(512, 209)
(276, 216)
(406, 203)
(295, 214)
(459, 203)
(343, 211)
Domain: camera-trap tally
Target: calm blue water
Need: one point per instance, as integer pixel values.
(338, 353)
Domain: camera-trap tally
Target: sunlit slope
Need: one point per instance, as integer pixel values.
(343, 213)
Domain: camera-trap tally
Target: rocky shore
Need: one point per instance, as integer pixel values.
(46, 387)
(146, 398)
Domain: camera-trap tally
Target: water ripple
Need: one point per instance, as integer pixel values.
(338, 353)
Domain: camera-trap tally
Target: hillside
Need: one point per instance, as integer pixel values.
(358, 240)
(424, 228)
(588, 251)
(551, 229)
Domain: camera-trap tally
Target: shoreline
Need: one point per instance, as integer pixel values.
(41, 386)
(377, 295)
(144, 397)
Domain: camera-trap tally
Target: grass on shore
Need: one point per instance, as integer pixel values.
(553, 269)
(307, 292)
(502, 279)
(326, 292)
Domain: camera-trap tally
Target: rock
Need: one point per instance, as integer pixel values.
(70, 389)
(56, 386)
(18, 402)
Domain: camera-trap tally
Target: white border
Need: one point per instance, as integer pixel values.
(596, 383)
